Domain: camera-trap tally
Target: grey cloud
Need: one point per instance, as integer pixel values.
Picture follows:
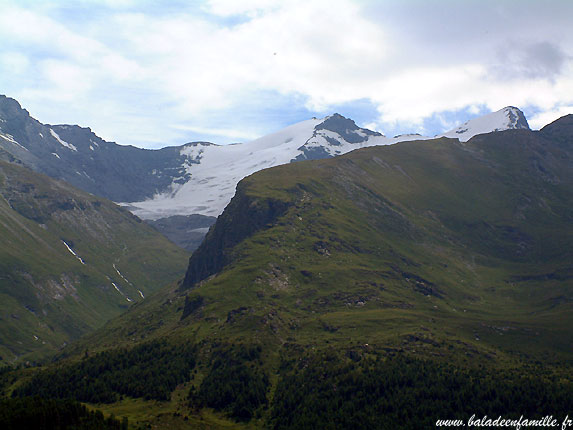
(454, 31)
(544, 60)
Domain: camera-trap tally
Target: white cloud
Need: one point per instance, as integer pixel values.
(15, 62)
(250, 8)
(69, 80)
(542, 119)
(304, 48)
(133, 69)
(232, 133)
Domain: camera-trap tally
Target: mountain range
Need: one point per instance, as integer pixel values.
(389, 286)
(49, 225)
(166, 186)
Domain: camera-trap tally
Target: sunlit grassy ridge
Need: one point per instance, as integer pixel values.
(474, 239)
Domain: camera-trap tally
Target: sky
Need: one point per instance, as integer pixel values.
(156, 73)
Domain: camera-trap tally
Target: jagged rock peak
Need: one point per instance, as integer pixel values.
(10, 108)
(516, 118)
(346, 128)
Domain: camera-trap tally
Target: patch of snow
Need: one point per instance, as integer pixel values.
(55, 155)
(117, 288)
(121, 292)
(141, 294)
(11, 139)
(120, 274)
(507, 118)
(73, 253)
(63, 142)
(92, 148)
(41, 135)
(229, 164)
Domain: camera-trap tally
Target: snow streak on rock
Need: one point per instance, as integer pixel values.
(73, 253)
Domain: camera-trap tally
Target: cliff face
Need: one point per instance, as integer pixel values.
(244, 216)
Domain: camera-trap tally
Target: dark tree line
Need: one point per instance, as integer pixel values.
(405, 393)
(150, 371)
(42, 414)
(235, 383)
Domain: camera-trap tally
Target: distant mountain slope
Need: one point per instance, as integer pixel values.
(187, 231)
(81, 158)
(69, 261)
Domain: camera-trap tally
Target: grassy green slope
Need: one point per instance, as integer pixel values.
(49, 296)
(455, 253)
(453, 242)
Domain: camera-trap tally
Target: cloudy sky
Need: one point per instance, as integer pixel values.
(153, 73)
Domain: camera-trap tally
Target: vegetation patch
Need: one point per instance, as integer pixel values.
(49, 414)
(235, 383)
(149, 371)
(328, 391)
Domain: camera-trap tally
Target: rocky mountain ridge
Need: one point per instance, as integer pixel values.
(168, 185)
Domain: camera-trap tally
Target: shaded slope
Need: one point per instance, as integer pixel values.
(70, 261)
(80, 157)
(187, 231)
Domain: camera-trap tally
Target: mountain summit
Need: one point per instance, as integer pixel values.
(508, 118)
(215, 170)
(195, 178)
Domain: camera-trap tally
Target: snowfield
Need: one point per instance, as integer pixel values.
(215, 170)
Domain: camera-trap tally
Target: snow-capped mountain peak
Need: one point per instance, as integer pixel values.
(199, 177)
(346, 128)
(508, 118)
(213, 171)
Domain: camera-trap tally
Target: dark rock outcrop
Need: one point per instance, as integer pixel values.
(243, 216)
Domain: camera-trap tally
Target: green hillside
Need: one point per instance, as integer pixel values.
(49, 296)
(474, 240)
(386, 288)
